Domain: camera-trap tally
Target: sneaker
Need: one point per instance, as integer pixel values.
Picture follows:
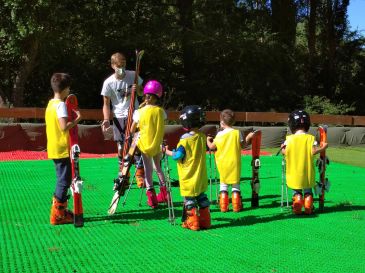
(151, 198)
(223, 201)
(297, 203)
(60, 214)
(140, 178)
(236, 201)
(308, 204)
(192, 220)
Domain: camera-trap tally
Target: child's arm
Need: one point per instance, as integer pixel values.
(175, 154)
(317, 150)
(67, 125)
(210, 143)
(135, 119)
(248, 139)
(133, 127)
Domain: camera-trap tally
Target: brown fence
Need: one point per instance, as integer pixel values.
(244, 117)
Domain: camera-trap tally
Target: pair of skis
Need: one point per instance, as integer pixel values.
(76, 185)
(121, 183)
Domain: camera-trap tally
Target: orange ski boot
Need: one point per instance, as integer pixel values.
(204, 218)
(192, 220)
(236, 201)
(308, 204)
(223, 201)
(297, 203)
(60, 214)
(140, 177)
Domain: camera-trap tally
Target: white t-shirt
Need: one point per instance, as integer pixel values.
(115, 89)
(61, 110)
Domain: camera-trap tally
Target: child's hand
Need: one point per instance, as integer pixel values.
(209, 139)
(78, 116)
(324, 145)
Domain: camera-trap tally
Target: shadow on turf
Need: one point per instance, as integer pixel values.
(162, 213)
(128, 216)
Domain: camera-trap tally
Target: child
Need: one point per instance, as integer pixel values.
(57, 129)
(299, 149)
(192, 170)
(150, 120)
(229, 143)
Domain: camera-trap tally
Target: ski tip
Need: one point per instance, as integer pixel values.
(323, 127)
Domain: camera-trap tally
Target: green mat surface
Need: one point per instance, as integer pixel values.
(138, 239)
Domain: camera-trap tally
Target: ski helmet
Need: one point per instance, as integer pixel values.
(192, 116)
(299, 119)
(153, 87)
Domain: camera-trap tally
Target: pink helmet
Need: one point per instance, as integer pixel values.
(153, 87)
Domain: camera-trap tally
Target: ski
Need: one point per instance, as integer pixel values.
(322, 162)
(255, 163)
(122, 181)
(76, 185)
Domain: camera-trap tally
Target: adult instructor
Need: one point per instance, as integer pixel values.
(116, 92)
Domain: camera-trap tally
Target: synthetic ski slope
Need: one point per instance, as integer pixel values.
(254, 240)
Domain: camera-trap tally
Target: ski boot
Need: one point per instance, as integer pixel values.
(308, 204)
(204, 218)
(151, 198)
(192, 220)
(223, 201)
(297, 203)
(162, 197)
(140, 177)
(236, 201)
(60, 214)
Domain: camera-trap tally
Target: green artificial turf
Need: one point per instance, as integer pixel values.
(351, 155)
(139, 239)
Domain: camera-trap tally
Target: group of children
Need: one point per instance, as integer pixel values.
(190, 155)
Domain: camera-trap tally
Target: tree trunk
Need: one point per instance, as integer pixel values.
(25, 69)
(284, 20)
(312, 53)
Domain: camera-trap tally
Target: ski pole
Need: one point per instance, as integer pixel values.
(210, 175)
(170, 203)
(130, 184)
(216, 180)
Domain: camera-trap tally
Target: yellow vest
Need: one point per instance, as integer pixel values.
(300, 172)
(152, 128)
(192, 168)
(228, 156)
(57, 140)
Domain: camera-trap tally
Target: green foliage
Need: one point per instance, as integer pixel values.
(323, 105)
(245, 55)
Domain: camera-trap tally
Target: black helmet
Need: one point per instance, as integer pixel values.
(299, 119)
(192, 116)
